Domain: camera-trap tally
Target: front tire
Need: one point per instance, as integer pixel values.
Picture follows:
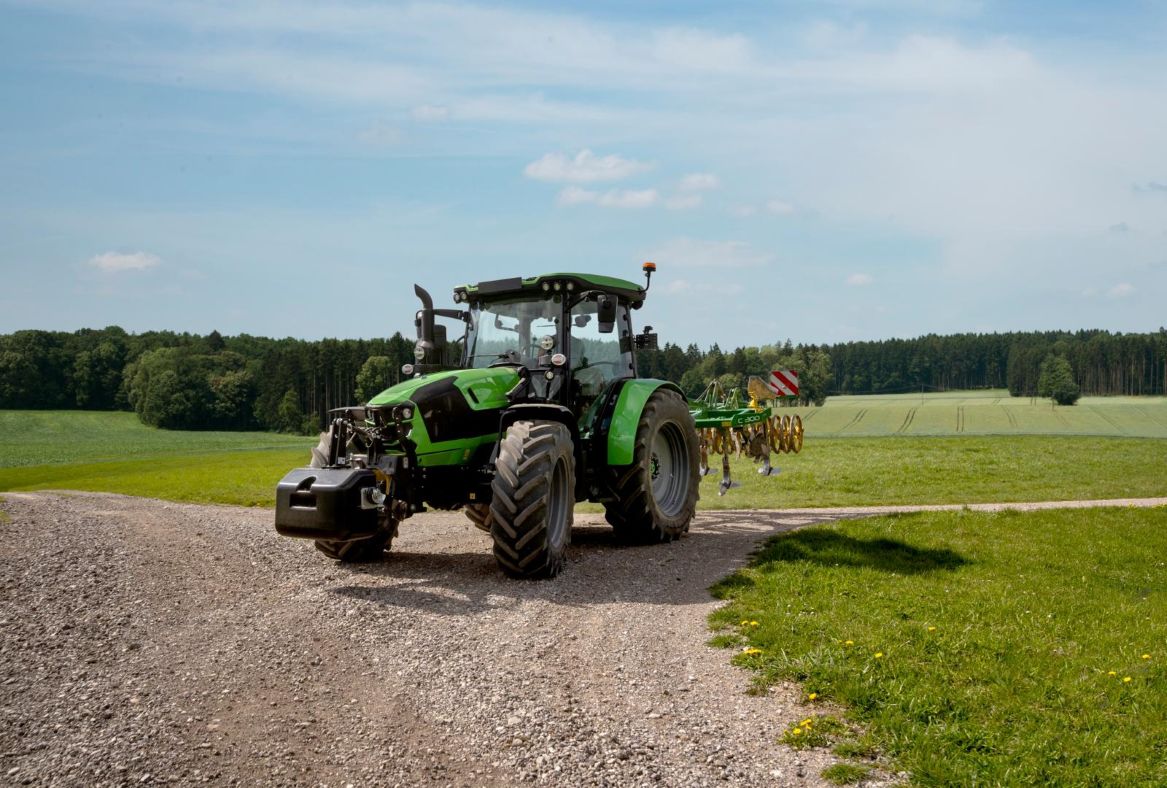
(361, 551)
(479, 515)
(657, 494)
(533, 499)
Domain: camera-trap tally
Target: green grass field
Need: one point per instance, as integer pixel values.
(114, 452)
(49, 437)
(970, 648)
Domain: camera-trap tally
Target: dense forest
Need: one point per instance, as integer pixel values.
(244, 382)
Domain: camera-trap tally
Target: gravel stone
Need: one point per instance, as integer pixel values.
(146, 642)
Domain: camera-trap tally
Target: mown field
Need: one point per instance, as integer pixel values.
(991, 412)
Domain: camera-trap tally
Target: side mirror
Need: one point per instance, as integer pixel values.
(606, 314)
(647, 340)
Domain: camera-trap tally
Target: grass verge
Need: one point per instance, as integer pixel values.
(975, 648)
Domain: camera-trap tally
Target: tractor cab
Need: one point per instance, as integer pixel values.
(567, 336)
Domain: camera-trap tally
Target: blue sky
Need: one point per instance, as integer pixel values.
(829, 171)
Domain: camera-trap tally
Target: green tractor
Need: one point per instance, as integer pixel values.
(537, 406)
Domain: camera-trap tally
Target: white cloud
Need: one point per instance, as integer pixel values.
(779, 208)
(430, 113)
(113, 262)
(576, 195)
(695, 253)
(628, 198)
(699, 182)
(584, 167)
(683, 202)
(1121, 290)
(859, 280)
(613, 198)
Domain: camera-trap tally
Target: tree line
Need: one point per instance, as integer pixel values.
(190, 381)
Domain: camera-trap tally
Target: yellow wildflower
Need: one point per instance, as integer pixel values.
(1111, 673)
(1126, 679)
(879, 655)
(753, 623)
(931, 629)
(848, 642)
(744, 622)
(796, 732)
(1146, 656)
(812, 696)
(806, 723)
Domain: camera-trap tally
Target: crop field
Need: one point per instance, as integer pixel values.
(991, 412)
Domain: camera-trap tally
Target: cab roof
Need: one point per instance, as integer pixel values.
(498, 289)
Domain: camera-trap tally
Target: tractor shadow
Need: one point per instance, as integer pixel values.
(600, 568)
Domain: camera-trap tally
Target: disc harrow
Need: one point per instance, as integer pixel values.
(726, 425)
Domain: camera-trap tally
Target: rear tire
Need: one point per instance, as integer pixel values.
(657, 494)
(534, 495)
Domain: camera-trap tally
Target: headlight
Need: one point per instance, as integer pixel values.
(558, 360)
(547, 342)
(406, 413)
(419, 352)
(407, 370)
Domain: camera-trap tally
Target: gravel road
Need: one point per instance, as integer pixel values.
(149, 642)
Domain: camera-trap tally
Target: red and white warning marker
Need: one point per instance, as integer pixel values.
(783, 382)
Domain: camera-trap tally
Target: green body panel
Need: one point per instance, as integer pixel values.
(483, 389)
(626, 417)
(729, 417)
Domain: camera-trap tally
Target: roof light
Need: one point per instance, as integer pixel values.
(546, 286)
(570, 286)
(558, 286)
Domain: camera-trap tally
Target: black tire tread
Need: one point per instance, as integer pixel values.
(520, 508)
(634, 515)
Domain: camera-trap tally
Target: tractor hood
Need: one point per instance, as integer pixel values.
(482, 388)
(453, 412)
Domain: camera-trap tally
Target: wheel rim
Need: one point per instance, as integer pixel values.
(669, 467)
(558, 500)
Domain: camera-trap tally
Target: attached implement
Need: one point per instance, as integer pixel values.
(725, 425)
(538, 405)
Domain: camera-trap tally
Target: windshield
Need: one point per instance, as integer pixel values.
(518, 331)
(596, 357)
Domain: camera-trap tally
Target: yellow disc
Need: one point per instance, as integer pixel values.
(796, 437)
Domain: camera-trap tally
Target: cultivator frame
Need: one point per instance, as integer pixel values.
(726, 425)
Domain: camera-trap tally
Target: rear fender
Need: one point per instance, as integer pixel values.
(626, 416)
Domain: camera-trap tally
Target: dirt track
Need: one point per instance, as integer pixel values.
(146, 642)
